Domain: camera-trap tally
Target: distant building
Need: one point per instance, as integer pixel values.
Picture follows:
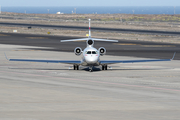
(59, 13)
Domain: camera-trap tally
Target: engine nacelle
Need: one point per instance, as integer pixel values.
(78, 51)
(90, 42)
(102, 51)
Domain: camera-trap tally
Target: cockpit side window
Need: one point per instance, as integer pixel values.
(88, 52)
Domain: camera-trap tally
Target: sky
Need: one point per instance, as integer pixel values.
(89, 2)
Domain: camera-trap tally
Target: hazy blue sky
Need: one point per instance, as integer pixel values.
(90, 2)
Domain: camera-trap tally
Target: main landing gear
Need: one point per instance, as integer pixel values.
(76, 67)
(104, 67)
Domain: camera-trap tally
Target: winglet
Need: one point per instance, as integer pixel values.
(173, 56)
(6, 56)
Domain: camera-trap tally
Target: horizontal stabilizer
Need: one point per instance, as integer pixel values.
(71, 40)
(94, 39)
(105, 40)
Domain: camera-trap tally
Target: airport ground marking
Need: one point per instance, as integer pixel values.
(158, 45)
(129, 44)
(125, 44)
(4, 35)
(92, 81)
(26, 50)
(37, 37)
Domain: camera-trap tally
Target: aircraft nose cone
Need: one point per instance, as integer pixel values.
(91, 59)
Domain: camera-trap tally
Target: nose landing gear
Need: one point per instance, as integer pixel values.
(91, 69)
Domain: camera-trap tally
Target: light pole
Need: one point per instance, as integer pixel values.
(174, 10)
(133, 11)
(74, 10)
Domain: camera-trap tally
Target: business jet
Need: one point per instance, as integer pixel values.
(91, 55)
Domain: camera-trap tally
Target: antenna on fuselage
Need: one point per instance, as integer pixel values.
(89, 28)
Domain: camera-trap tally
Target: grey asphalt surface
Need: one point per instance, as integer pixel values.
(93, 28)
(40, 91)
(122, 48)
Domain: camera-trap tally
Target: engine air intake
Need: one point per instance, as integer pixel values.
(90, 42)
(102, 51)
(78, 51)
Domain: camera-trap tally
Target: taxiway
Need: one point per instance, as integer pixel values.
(122, 48)
(40, 91)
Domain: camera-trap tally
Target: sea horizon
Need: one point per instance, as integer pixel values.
(95, 9)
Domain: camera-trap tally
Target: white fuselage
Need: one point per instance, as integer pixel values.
(90, 56)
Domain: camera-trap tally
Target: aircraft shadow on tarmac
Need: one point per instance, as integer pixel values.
(95, 69)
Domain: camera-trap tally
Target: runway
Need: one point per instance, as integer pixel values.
(40, 91)
(122, 48)
(93, 28)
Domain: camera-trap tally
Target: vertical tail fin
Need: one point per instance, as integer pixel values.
(89, 28)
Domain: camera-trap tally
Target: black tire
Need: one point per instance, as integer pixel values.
(106, 67)
(74, 67)
(102, 67)
(77, 67)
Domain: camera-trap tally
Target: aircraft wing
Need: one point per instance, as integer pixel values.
(46, 61)
(105, 62)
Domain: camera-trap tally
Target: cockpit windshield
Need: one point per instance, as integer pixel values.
(94, 52)
(88, 52)
(91, 52)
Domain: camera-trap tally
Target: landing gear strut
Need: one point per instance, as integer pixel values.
(104, 67)
(91, 68)
(76, 67)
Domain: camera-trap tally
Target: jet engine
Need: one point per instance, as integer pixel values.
(78, 51)
(90, 42)
(102, 51)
